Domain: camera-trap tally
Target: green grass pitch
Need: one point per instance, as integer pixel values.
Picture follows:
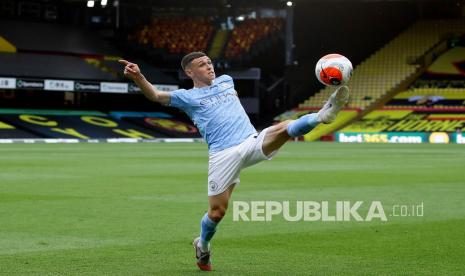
(134, 209)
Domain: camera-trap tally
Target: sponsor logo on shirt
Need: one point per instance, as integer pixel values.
(219, 99)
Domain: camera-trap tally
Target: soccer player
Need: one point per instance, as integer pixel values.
(234, 144)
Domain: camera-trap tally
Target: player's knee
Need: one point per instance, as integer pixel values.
(217, 213)
(285, 124)
(280, 128)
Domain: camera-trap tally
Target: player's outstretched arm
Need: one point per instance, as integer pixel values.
(132, 71)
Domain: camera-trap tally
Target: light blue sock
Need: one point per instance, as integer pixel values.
(207, 230)
(303, 125)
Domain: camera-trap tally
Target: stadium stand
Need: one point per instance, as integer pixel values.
(388, 67)
(384, 71)
(58, 66)
(450, 63)
(431, 110)
(54, 38)
(429, 97)
(414, 125)
(176, 35)
(218, 43)
(251, 31)
(6, 46)
(151, 73)
(35, 56)
(67, 52)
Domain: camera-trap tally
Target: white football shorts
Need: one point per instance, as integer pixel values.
(225, 166)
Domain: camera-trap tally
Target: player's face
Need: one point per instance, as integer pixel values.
(201, 69)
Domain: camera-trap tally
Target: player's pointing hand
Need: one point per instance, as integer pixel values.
(131, 70)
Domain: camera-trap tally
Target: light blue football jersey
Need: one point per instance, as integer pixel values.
(217, 113)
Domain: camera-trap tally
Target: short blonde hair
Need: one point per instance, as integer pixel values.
(187, 59)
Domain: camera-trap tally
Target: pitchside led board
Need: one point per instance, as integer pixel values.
(431, 111)
(89, 126)
(160, 122)
(76, 86)
(92, 125)
(166, 126)
(8, 131)
(406, 126)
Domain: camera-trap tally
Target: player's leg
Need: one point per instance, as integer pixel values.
(216, 211)
(275, 137)
(279, 134)
(219, 204)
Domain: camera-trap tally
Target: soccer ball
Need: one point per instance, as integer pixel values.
(333, 70)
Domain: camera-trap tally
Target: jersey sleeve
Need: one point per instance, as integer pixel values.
(178, 99)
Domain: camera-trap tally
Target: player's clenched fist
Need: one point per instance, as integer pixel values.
(131, 70)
